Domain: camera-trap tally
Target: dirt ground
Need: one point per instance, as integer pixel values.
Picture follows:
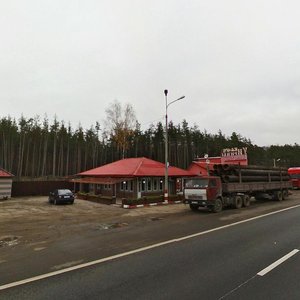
(33, 221)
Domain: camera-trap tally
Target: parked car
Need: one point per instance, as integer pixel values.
(61, 196)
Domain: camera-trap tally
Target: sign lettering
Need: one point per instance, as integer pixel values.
(234, 151)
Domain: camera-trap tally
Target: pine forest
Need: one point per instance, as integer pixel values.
(38, 148)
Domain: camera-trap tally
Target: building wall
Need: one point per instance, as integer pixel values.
(135, 188)
(149, 186)
(5, 188)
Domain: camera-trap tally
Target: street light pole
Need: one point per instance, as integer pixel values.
(166, 194)
(166, 191)
(274, 161)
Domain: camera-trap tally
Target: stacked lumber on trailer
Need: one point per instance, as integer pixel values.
(239, 173)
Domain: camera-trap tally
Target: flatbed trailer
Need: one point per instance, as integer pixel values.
(216, 192)
(255, 187)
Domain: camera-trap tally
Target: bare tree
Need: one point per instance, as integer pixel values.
(120, 124)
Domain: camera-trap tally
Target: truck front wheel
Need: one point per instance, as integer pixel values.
(218, 206)
(194, 207)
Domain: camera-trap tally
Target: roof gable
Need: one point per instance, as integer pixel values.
(4, 173)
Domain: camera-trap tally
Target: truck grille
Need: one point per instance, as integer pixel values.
(195, 197)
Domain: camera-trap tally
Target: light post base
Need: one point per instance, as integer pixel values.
(166, 197)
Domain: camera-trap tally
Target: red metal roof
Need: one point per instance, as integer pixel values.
(4, 173)
(199, 168)
(135, 167)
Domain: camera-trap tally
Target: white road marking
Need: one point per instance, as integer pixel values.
(105, 259)
(67, 264)
(39, 248)
(277, 263)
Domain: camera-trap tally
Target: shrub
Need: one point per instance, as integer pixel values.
(143, 200)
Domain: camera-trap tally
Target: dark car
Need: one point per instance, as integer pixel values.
(61, 196)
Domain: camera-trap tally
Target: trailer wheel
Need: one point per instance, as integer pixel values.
(194, 207)
(246, 201)
(278, 195)
(285, 194)
(218, 206)
(237, 202)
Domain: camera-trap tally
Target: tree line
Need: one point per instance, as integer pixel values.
(35, 148)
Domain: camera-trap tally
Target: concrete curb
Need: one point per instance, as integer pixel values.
(150, 204)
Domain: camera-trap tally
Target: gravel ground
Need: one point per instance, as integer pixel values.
(32, 220)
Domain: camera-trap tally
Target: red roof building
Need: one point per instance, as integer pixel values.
(131, 177)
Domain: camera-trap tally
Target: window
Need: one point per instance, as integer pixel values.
(91, 187)
(143, 185)
(131, 185)
(149, 184)
(123, 185)
(160, 184)
(212, 183)
(107, 186)
(155, 184)
(295, 176)
(196, 183)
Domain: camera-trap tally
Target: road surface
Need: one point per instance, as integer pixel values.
(254, 259)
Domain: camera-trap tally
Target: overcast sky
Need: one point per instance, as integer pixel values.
(237, 62)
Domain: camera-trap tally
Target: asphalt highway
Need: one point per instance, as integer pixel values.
(254, 259)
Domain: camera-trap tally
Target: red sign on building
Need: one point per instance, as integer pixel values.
(231, 156)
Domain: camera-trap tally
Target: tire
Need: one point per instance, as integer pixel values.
(218, 206)
(194, 207)
(72, 202)
(246, 201)
(285, 194)
(278, 195)
(237, 202)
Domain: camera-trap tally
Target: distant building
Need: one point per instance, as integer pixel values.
(230, 156)
(129, 178)
(5, 184)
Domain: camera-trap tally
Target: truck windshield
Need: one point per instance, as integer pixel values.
(196, 183)
(295, 176)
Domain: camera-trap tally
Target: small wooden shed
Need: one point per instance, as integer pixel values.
(5, 184)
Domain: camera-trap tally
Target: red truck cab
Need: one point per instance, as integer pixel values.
(294, 174)
(203, 191)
